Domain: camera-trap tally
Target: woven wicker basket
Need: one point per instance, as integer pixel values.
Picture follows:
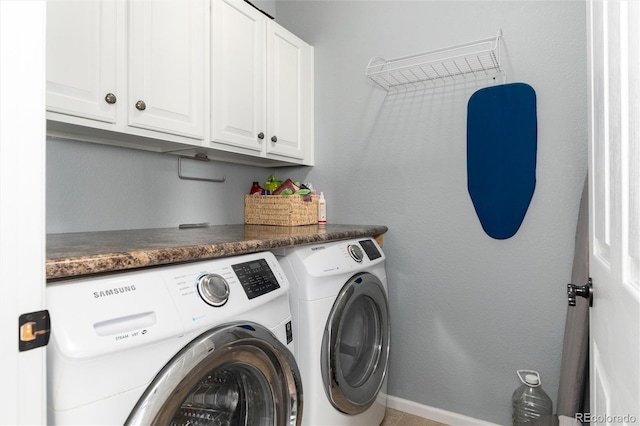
(280, 210)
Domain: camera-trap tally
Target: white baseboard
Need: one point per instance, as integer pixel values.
(442, 416)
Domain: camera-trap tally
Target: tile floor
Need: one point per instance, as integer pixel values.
(399, 418)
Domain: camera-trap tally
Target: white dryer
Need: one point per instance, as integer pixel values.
(198, 343)
(341, 329)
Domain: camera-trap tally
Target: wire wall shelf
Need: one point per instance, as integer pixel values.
(475, 60)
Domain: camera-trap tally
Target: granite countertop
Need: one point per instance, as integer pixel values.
(84, 253)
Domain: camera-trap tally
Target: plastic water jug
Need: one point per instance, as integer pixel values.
(530, 401)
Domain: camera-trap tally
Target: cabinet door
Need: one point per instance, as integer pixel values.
(82, 58)
(237, 75)
(167, 62)
(289, 100)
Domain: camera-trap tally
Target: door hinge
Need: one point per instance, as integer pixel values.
(34, 330)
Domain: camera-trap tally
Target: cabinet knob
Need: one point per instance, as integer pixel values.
(274, 138)
(260, 135)
(110, 98)
(141, 106)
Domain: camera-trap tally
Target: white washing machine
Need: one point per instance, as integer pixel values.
(341, 329)
(198, 343)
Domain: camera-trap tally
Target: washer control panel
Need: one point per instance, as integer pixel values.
(101, 315)
(256, 277)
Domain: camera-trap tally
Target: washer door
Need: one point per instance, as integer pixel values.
(236, 374)
(355, 346)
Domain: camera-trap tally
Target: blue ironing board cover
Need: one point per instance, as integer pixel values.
(502, 134)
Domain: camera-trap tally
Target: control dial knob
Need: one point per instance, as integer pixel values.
(213, 289)
(356, 252)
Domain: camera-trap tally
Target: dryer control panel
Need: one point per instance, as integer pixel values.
(338, 257)
(370, 248)
(355, 250)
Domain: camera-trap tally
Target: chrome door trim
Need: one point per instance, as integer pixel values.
(346, 398)
(236, 343)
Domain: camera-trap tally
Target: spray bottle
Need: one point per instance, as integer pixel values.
(322, 210)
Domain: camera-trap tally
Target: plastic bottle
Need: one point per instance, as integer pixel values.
(255, 189)
(530, 401)
(322, 210)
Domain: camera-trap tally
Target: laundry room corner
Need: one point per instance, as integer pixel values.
(467, 310)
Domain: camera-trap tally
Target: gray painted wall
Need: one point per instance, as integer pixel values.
(467, 310)
(93, 187)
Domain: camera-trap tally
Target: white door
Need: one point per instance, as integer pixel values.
(614, 169)
(168, 60)
(22, 206)
(82, 59)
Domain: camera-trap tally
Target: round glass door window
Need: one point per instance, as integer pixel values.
(236, 394)
(237, 374)
(355, 345)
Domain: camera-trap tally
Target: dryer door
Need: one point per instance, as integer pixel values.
(355, 346)
(234, 374)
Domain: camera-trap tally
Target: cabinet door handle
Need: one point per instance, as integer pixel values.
(110, 98)
(260, 135)
(274, 138)
(141, 106)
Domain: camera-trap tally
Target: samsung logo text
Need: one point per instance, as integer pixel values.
(114, 291)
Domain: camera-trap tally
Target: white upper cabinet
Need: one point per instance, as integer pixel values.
(289, 94)
(261, 86)
(134, 67)
(166, 66)
(237, 75)
(82, 58)
(208, 77)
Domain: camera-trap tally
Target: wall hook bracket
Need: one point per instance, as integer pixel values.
(198, 157)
